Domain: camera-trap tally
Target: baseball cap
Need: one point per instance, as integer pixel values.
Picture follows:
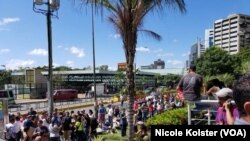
(224, 92)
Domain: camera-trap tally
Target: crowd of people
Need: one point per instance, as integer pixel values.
(84, 125)
(233, 108)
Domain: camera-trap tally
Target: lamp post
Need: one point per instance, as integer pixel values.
(39, 6)
(93, 47)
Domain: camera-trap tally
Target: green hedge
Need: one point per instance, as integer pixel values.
(172, 117)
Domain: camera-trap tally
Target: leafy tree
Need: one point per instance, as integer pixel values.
(244, 54)
(159, 78)
(171, 80)
(127, 17)
(243, 58)
(103, 67)
(62, 68)
(245, 67)
(5, 78)
(216, 61)
(119, 77)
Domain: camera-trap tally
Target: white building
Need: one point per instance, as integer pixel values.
(232, 33)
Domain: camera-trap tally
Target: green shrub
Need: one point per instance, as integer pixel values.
(172, 117)
(113, 137)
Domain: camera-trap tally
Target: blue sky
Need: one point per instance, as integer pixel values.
(23, 34)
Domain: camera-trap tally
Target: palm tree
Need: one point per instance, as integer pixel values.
(127, 17)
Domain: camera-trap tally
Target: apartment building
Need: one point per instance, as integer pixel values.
(209, 38)
(232, 33)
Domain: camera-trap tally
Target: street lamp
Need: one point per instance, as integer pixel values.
(93, 47)
(48, 8)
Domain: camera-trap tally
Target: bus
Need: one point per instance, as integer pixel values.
(65, 94)
(8, 94)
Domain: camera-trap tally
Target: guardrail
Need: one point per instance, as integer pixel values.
(210, 108)
(42, 105)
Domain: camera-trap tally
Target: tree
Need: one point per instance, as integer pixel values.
(103, 67)
(159, 79)
(244, 54)
(119, 77)
(62, 68)
(171, 80)
(127, 17)
(244, 60)
(216, 61)
(5, 78)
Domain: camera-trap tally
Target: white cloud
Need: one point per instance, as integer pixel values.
(158, 50)
(39, 52)
(77, 51)
(70, 63)
(6, 21)
(143, 49)
(174, 62)
(165, 54)
(16, 63)
(116, 36)
(4, 50)
(59, 46)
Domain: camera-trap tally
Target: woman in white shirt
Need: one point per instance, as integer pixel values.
(54, 129)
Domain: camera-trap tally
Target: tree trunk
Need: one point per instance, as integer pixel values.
(130, 41)
(131, 93)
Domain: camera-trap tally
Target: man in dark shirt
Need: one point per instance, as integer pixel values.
(32, 112)
(66, 126)
(93, 126)
(191, 85)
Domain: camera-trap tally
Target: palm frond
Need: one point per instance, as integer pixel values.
(151, 33)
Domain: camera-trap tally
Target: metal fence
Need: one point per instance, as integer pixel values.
(28, 90)
(43, 104)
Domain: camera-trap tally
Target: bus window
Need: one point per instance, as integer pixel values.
(3, 94)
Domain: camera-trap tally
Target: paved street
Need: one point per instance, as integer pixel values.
(42, 104)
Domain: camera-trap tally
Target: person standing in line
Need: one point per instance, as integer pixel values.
(122, 100)
(17, 129)
(10, 133)
(123, 123)
(241, 95)
(191, 85)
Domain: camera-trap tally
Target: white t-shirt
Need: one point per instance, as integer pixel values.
(110, 112)
(17, 126)
(54, 130)
(45, 123)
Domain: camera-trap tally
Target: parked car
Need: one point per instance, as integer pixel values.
(65, 94)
